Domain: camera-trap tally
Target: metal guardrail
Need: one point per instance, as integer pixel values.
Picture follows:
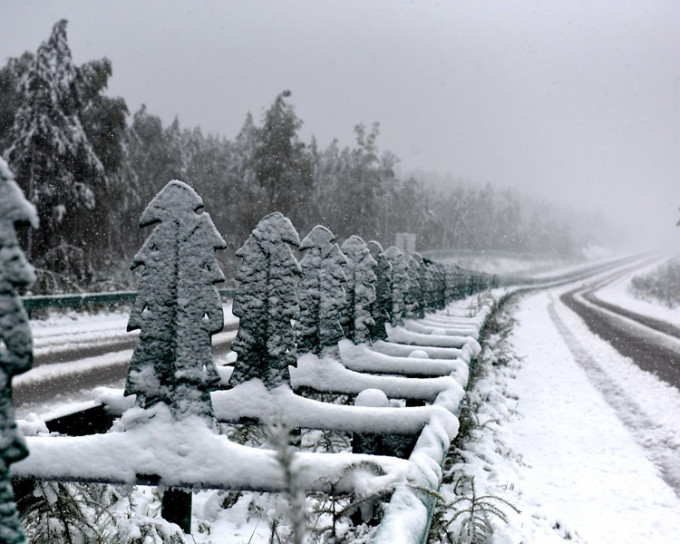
(83, 300)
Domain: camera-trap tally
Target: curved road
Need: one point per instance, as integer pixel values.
(654, 345)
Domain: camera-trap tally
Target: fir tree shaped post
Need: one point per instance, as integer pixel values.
(321, 292)
(417, 288)
(177, 308)
(360, 289)
(266, 303)
(381, 309)
(400, 284)
(16, 350)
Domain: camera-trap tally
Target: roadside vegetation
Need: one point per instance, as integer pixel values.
(660, 285)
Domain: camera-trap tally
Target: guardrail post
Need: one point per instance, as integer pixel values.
(16, 351)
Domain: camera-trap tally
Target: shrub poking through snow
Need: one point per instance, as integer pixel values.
(16, 346)
(360, 289)
(177, 308)
(400, 284)
(381, 308)
(266, 302)
(321, 292)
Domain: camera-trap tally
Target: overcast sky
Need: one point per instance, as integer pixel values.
(576, 101)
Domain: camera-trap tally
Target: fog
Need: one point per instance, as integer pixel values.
(575, 102)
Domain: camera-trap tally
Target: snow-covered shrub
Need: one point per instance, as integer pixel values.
(400, 284)
(360, 289)
(16, 343)
(321, 293)
(661, 284)
(381, 309)
(266, 302)
(177, 307)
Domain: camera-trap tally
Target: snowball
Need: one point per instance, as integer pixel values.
(419, 354)
(371, 397)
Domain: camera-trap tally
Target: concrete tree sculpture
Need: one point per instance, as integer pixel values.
(360, 289)
(400, 284)
(415, 295)
(16, 348)
(381, 309)
(178, 307)
(321, 292)
(266, 303)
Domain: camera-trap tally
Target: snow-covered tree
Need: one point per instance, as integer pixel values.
(16, 344)
(360, 289)
(381, 309)
(282, 163)
(400, 284)
(50, 152)
(321, 292)
(266, 303)
(177, 308)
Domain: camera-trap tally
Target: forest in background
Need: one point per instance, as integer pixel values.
(90, 166)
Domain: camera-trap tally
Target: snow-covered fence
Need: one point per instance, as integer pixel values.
(168, 438)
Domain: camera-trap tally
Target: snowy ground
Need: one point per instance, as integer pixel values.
(587, 446)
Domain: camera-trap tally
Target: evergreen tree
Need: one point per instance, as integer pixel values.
(52, 157)
(321, 292)
(177, 308)
(282, 163)
(400, 284)
(266, 302)
(16, 350)
(381, 309)
(360, 288)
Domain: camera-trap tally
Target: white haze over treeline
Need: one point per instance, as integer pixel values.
(571, 108)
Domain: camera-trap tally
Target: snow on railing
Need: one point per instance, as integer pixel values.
(166, 432)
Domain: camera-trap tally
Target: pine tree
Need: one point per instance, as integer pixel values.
(266, 302)
(360, 288)
(321, 293)
(282, 163)
(381, 309)
(16, 351)
(177, 308)
(400, 284)
(50, 152)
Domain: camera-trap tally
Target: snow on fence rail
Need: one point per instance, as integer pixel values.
(293, 318)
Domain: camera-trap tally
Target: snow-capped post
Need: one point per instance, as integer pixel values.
(178, 307)
(415, 296)
(266, 302)
(400, 284)
(16, 351)
(382, 307)
(321, 292)
(360, 289)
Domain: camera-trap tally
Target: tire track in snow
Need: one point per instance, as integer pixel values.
(653, 438)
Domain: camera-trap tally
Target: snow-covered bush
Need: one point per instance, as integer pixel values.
(177, 307)
(266, 302)
(661, 284)
(381, 309)
(16, 344)
(360, 289)
(321, 293)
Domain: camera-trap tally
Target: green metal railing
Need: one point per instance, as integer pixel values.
(85, 300)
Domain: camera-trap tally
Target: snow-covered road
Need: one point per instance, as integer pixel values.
(598, 438)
